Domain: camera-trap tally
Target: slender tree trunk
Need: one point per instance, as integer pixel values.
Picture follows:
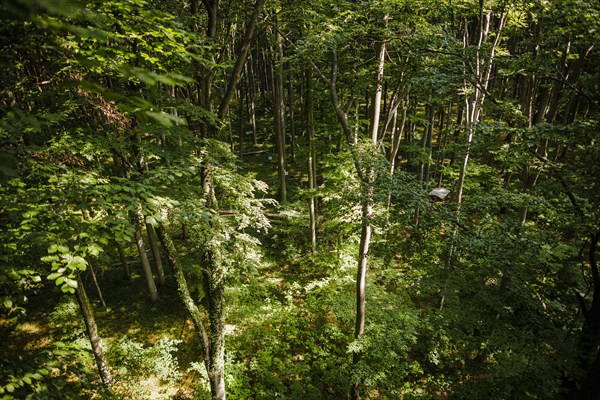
(378, 94)
(428, 144)
(367, 216)
(214, 287)
(474, 101)
(278, 110)
(312, 179)
(126, 273)
(250, 103)
(139, 241)
(95, 280)
(441, 145)
(184, 292)
(156, 254)
(86, 217)
(368, 179)
(92, 332)
(213, 270)
(241, 126)
(361, 274)
(243, 52)
(290, 88)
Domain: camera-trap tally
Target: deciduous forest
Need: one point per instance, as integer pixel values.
(274, 199)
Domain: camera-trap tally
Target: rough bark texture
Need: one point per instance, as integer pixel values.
(183, 290)
(213, 274)
(92, 332)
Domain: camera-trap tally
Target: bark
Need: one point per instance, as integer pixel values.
(139, 241)
(397, 131)
(241, 122)
(213, 270)
(86, 217)
(92, 332)
(156, 254)
(278, 117)
(124, 264)
(213, 274)
(482, 72)
(212, 7)
(378, 94)
(291, 119)
(441, 145)
(361, 276)
(589, 344)
(428, 144)
(95, 280)
(368, 179)
(250, 104)
(312, 179)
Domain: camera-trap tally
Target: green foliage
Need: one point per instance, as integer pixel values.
(291, 351)
(55, 373)
(106, 123)
(137, 362)
(65, 369)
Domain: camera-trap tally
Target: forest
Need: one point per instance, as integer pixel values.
(277, 199)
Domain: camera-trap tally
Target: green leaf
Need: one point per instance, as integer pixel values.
(77, 262)
(71, 282)
(14, 275)
(54, 276)
(93, 249)
(7, 302)
(67, 289)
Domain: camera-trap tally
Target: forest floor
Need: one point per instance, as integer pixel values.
(129, 327)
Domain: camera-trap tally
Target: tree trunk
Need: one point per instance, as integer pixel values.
(243, 52)
(290, 89)
(213, 273)
(378, 94)
(361, 275)
(126, 273)
(184, 292)
(86, 217)
(139, 241)
(95, 280)
(483, 71)
(250, 104)
(278, 117)
(428, 144)
(92, 332)
(156, 254)
(588, 388)
(312, 179)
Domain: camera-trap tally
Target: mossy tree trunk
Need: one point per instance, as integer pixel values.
(92, 332)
